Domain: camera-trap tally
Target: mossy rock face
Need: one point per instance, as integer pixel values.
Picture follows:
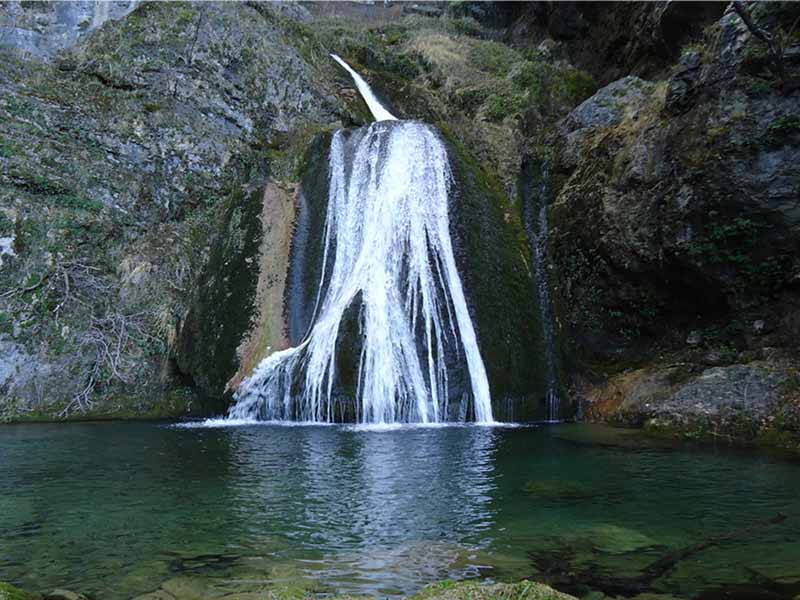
(156, 113)
(308, 239)
(496, 271)
(224, 308)
(676, 208)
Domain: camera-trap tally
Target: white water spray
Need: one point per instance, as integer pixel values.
(387, 251)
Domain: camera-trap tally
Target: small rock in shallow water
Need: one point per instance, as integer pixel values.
(557, 488)
(157, 595)
(64, 595)
(694, 338)
(614, 539)
(186, 588)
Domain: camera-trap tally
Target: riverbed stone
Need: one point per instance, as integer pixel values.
(523, 590)
(615, 539)
(185, 587)
(557, 489)
(157, 595)
(60, 594)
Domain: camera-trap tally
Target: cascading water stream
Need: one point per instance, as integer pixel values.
(535, 217)
(387, 251)
(375, 107)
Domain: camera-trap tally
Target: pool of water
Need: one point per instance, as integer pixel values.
(117, 509)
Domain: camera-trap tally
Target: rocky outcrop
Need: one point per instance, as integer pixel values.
(41, 29)
(139, 249)
(757, 402)
(637, 38)
(119, 157)
(675, 224)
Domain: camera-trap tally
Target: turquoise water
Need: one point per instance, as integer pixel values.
(117, 509)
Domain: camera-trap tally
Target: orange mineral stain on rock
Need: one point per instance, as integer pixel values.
(268, 333)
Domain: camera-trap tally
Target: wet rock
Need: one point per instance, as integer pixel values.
(614, 539)
(186, 588)
(674, 205)
(682, 84)
(523, 590)
(740, 403)
(157, 595)
(750, 389)
(695, 338)
(547, 489)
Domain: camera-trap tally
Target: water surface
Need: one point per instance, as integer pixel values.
(116, 509)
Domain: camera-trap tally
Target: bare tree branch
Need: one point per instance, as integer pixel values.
(773, 41)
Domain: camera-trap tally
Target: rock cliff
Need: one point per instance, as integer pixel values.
(154, 156)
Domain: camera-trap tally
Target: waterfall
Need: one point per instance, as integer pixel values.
(377, 109)
(387, 252)
(535, 217)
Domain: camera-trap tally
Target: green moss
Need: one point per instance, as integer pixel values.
(224, 306)
(502, 106)
(493, 57)
(497, 280)
(473, 590)
(9, 592)
(734, 245)
(6, 323)
(782, 130)
(579, 85)
(75, 202)
(7, 148)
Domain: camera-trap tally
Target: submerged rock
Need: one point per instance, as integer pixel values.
(64, 595)
(524, 590)
(558, 489)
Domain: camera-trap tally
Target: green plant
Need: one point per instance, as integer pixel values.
(75, 202)
(500, 106)
(782, 129)
(579, 85)
(727, 242)
(7, 149)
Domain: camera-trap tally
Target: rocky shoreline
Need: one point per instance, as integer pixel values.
(182, 589)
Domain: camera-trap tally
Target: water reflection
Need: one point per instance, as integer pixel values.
(368, 501)
(114, 510)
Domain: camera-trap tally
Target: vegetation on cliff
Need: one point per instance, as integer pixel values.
(673, 221)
